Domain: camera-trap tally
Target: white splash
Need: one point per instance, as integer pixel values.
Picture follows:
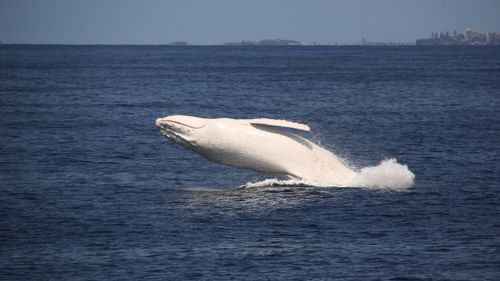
(276, 182)
(388, 174)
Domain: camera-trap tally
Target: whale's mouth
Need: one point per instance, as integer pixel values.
(179, 128)
(175, 133)
(177, 138)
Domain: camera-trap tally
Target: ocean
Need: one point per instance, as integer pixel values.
(91, 190)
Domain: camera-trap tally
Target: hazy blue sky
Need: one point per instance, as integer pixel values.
(218, 21)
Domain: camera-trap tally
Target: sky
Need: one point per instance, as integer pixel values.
(207, 22)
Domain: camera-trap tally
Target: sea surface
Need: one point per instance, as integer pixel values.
(91, 190)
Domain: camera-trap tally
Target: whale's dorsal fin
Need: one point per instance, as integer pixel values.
(279, 123)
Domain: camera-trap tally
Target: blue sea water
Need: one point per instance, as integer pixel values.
(90, 190)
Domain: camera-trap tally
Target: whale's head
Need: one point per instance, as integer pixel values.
(182, 129)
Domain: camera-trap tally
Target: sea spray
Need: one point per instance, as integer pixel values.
(388, 174)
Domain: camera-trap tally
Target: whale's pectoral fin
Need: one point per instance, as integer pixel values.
(279, 123)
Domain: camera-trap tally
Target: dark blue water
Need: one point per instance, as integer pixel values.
(90, 190)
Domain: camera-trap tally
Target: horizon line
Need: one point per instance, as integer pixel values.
(229, 44)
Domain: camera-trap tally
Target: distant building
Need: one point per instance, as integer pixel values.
(468, 34)
(469, 38)
(490, 37)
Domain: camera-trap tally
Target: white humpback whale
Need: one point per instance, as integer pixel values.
(263, 145)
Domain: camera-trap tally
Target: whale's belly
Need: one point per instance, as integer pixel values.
(277, 153)
(259, 157)
(256, 150)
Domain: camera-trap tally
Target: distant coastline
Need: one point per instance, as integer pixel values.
(468, 38)
(267, 42)
(179, 43)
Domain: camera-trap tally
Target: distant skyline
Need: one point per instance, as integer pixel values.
(218, 21)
